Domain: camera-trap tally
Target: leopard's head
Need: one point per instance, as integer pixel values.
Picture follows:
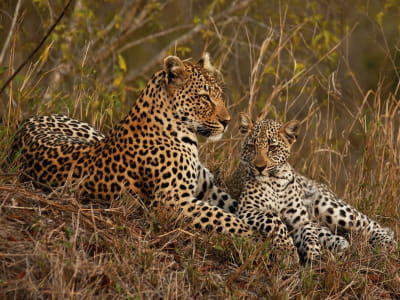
(197, 97)
(267, 144)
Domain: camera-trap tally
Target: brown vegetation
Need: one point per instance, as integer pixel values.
(331, 65)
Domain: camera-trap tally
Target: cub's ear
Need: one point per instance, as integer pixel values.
(290, 131)
(176, 73)
(245, 123)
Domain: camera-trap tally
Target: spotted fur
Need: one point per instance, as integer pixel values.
(152, 152)
(312, 213)
(340, 217)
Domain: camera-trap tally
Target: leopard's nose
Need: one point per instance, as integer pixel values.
(260, 168)
(224, 122)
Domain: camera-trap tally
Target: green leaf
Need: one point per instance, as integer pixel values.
(122, 63)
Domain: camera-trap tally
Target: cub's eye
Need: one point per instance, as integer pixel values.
(273, 148)
(205, 97)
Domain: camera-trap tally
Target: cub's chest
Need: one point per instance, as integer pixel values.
(259, 194)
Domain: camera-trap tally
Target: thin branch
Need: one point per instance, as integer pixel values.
(257, 70)
(59, 66)
(10, 33)
(235, 6)
(150, 37)
(138, 21)
(37, 48)
(156, 59)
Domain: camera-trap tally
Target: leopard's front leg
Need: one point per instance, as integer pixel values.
(331, 241)
(304, 231)
(201, 214)
(256, 208)
(209, 192)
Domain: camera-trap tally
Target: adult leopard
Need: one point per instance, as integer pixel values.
(271, 189)
(152, 152)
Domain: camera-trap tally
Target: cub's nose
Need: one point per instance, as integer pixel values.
(260, 168)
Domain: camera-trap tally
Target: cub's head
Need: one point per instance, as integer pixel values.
(196, 96)
(267, 144)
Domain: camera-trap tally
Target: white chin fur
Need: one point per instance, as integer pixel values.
(214, 137)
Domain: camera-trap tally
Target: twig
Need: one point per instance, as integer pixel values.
(150, 37)
(37, 48)
(156, 59)
(235, 6)
(138, 21)
(5, 254)
(10, 33)
(257, 70)
(281, 86)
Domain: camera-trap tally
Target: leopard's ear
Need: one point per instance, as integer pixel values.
(205, 62)
(175, 70)
(245, 123)
(290, 131)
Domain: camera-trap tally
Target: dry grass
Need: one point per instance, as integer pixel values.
(54, 247)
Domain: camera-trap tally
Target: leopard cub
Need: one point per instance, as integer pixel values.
(276, 200)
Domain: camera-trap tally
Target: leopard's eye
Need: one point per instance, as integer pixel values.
(205, 97)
